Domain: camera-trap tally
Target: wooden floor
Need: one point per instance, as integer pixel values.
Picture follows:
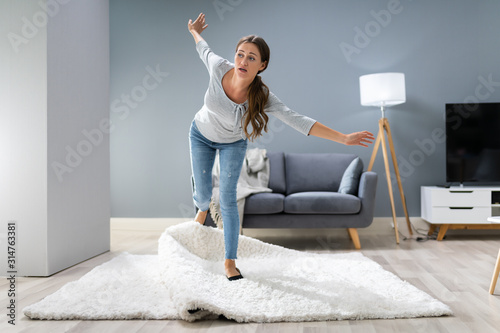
(457, 271)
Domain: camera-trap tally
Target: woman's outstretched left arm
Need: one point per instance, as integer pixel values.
(363, 138)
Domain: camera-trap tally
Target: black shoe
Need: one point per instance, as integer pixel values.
(236, 277)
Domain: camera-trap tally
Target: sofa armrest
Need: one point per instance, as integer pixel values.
(366, 192)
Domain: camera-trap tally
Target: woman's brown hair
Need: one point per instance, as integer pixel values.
(258, 92)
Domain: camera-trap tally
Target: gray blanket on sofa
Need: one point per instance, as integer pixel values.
(254, 178)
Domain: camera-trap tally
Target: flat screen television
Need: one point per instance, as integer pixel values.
(473, 143)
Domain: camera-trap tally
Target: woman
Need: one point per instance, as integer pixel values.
(236, 98)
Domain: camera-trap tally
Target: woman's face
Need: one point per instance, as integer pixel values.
(247, 61)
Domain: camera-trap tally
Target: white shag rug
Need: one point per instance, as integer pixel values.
(279, 285)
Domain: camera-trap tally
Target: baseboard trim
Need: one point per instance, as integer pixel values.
(379, 224)
(147, 224)
(382, 225)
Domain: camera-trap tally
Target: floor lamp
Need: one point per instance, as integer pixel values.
(385, 90)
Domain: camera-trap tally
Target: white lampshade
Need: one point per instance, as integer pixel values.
(382, 89)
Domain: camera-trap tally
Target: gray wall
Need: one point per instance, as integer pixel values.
(447, 49)
(78, 126)
(54, 144)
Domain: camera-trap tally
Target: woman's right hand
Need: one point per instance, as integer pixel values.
(198, 25)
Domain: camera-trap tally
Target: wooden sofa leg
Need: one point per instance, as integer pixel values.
(353, 233)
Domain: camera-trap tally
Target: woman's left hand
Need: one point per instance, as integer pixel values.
(359, 139)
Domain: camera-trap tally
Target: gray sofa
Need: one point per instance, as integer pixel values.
(305, 195)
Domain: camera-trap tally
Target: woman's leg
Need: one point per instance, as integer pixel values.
(231, 160)
(202, 162)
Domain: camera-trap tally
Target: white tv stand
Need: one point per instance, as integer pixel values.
(459, 207)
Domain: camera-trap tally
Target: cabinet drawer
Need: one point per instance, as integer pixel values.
(462, 215)
(461, 198)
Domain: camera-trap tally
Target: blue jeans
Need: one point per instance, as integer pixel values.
(231, 157)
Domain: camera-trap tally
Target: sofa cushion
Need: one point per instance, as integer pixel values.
(315, 172)
(264, 203)
(350, 180)
(277, 172)
(322, 203)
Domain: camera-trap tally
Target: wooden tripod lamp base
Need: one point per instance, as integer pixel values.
(384, 90)
(383, 127)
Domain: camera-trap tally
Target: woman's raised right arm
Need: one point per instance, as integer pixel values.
(197, 27)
